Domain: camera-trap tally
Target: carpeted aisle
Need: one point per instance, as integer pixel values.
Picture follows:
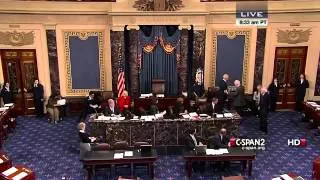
(52, 150)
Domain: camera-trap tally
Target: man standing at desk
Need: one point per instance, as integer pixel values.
(223, 90)
(263, 110)
(38, 97)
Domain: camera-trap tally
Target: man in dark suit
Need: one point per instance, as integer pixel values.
(37, 91)
(214, 107)
(6, 94)
(263, 110)
(111, 109)
(301, 88)
(223, 90)
(190, 143)
(238, 98)
(274, 92)
(221, 140)
(179, 107)
(90, 105)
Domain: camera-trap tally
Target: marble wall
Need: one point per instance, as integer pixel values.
(117, 56)
(53, 61)
(260, 48)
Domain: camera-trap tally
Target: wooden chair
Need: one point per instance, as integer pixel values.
(120, 145)
(158, 86)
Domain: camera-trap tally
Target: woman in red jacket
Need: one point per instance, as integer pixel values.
(124, 101)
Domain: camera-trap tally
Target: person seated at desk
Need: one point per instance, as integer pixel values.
(124, 101)
(93, 141)
(111, 109)
(194, 106)
(178, 108)
(190, 143)
(53, 109)
(6, 94)
(221, 140)
(214, 107)
(90, 104)
(154, 106)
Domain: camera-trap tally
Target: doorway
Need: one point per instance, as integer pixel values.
(20, 69)
(289, 63)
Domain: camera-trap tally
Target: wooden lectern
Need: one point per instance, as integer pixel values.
(158, 86)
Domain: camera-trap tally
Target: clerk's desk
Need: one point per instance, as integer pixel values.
(235, 154)
(96, 158)
(6, 122)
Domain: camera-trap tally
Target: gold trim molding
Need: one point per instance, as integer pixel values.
(83, 35)
(293, 36)
(232, 34)
(17, 38)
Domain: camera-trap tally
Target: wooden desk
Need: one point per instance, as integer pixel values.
(163, 103)
(235, 154)
(159, 132)
(311, 113)
(30, 176)
(95, 158)
(6, 162)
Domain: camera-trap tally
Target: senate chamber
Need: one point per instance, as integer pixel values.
(159, 89)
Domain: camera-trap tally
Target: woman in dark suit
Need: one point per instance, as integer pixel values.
(301, 88)
(6, 94)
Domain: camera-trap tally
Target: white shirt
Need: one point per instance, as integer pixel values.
(82, 131)
(301, 81)
(112, 109)
(194, 139)
(213, 104)
(276, 84)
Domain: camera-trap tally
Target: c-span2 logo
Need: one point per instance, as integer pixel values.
(297, 142)
(248, 144)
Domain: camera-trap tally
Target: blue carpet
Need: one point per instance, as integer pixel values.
(52, 150)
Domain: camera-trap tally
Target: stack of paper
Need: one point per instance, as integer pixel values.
(286, 177)
(4, 108)
(193, 114)
(160, 95)
(219, 115)
(121, 118)
(8, 105)
(20, 176)
(61, 102)
(118, 155)
(10, 171)
(228, 115)
(128, 153)
(216, 151)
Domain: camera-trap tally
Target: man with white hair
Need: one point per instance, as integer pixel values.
(223, 90)
(111, 109)
(238, 98)
(263, 109)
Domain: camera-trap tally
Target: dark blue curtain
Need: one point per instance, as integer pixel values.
(159, 61)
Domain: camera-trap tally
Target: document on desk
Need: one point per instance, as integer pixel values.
(20, 176)
(121, 118)
(61, 102)
(118, 155)
(4, 108)
(193, 114)
(286, 177)
(219, 115)
(1, 161)
(216, 151)
(277, 178)
(128, 153)
(10, 171)
(8, 105)
(186, 116)
(228, 115)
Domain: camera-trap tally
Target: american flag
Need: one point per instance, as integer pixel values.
(121, 81)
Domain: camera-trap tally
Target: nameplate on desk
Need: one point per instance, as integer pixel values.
(10, 171)
(8, 105)
(118, 155)
(20, 176)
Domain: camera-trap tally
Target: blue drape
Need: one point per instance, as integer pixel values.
(159, 63)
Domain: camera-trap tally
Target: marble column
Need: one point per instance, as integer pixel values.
(260, 48)
(53, 60)
(117, 54)
(198, 55)
(183, 63)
